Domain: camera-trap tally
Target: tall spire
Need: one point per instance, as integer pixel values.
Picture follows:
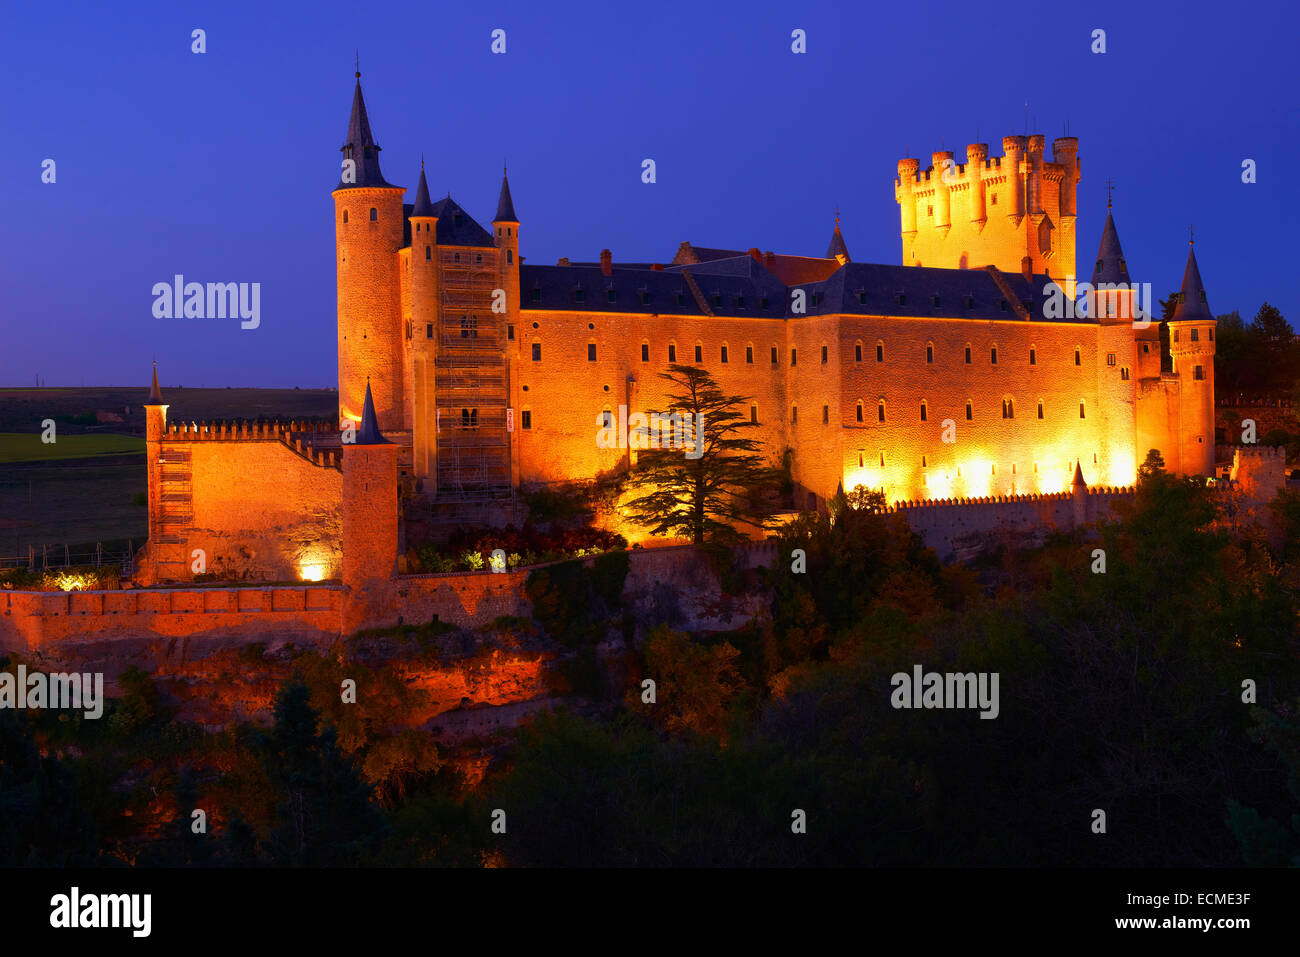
(1110, 267)
(361, 147)
(422, 207)
(505, 205)
(155, 395)
(1191, 298)
(369, 433)
(837, 246)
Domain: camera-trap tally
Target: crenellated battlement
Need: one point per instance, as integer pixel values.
(1027, 498)
(241, 430)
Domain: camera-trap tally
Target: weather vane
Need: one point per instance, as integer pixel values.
(1110, 187)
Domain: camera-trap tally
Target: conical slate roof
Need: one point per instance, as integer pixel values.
(155, 395)
(423, 206)
(505, 205)
(369, 433)
(360, 146)
(1191, 299)
(837, 246)
(1110, 268)
(1078, 481)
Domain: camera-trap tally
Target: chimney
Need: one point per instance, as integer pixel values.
(606, 262)
(657, 267)
(1027, 268)
(755, 255)
(769, 260)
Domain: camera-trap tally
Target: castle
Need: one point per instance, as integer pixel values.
(466, 373)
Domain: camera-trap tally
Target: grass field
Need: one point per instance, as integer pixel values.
(28, 447)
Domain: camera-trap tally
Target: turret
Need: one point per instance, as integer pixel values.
(977, 155)
(941, 177)
(1111, 300)
(425, 320)
(904, 188)
(505, 233)
(370, 507)
(1191, 347)
(368, 224)
(837, 249)
(1014, 149)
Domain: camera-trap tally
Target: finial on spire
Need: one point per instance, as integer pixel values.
(358, 52)
(1191, 239)
(421, 161)
(837, 215)
(1110, 187)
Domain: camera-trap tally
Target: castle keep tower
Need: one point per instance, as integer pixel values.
(1016, 212)
(1112, 303)
(1191, 347)
(368, 234)
(369, 515)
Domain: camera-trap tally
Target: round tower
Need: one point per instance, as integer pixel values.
(903, 193)
(1191, 347)
(425, 325)
(368, 226)
(1013, 149)
(977, 155)
(370, 519)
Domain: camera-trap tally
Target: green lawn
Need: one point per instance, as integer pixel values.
(28, 447)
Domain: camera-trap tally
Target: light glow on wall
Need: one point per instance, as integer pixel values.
(312, 573)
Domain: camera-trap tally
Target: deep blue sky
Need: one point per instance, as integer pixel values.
(219, 166)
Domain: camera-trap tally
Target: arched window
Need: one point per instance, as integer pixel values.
(826, 415)
(723, 352)
(859, 410)
(1033, 355)
(925, 411)
(345, 215)
(857, 351)
(880, 351)
(1082, 412)
(672, 352)
(970, 410)
(993, 355)
(645, 351)
(510, 257)
(1008, 408)
(880, 410)
(1040, 408)
(929, 352)
(607, 418)
(1078, 356)
(753, 413)
(794, 414)
(824, 355)
(968, 353)
(374, 215)
(699, 352)
(749, 353)
(428, 253)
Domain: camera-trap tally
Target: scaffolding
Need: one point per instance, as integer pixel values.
(471, 391)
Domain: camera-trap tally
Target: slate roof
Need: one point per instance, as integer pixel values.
(368, 433)
(455, 226)
(360, 146)
(1191, 298)
(1110, 267)
(423, 206)
(837, 246)
(155, 395)
(742, 287)
(505, 205)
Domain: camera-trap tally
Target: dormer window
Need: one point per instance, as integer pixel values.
(457, 219)
(536, 294)
(611, 295)
(579, 295)
(862, 298)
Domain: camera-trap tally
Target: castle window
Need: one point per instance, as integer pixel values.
(428, 330)
(374, 215)
(345, 215)
(993, 356)
(1146, 348)
(591, 325)
(607, 419)
(929, 210)
(645, 352)
(774, 355)
(880, 352)
(510, 332)
(681, 299)
(762, 303)
(1196, 335)
(970, 411)
(537, 352)
(968, 353)
(857, 352)
(1211, 335)
(534, 325)
(749, 355)
(1040, 408)
(645, 297)
(1078, 357)
(591, 352)
(823, 355)
(902, 299)
(794, 356)
(1110, 358)
(880, 411)
(929, 353)
(826, 415)
(672, 352)
(859, 410)
(1198, 372)
(1002, 304)
(1081, 409)
(794, 414)
(611, 295)
(862, 298)
(1175, 335)
(924, 462)
(753, 413)
(1123, 373)
(934, 300)
(428, 253)
(925, 412)
(699, 353)
(970, 302)
(535, 295)
(1008, 408)
(723, 354)
(526, 419)
(993, 199)
(1033, 356)
(717, 299)
(740, 302)
(468, 327)
(510, 256)
(882, 460)
(816, 299)
(579, 295)
(861, 460)
(478, 258)
(457, 257)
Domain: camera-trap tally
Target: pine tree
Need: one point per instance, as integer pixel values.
(700, 492)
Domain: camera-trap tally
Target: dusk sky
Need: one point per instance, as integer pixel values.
(219, 165)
